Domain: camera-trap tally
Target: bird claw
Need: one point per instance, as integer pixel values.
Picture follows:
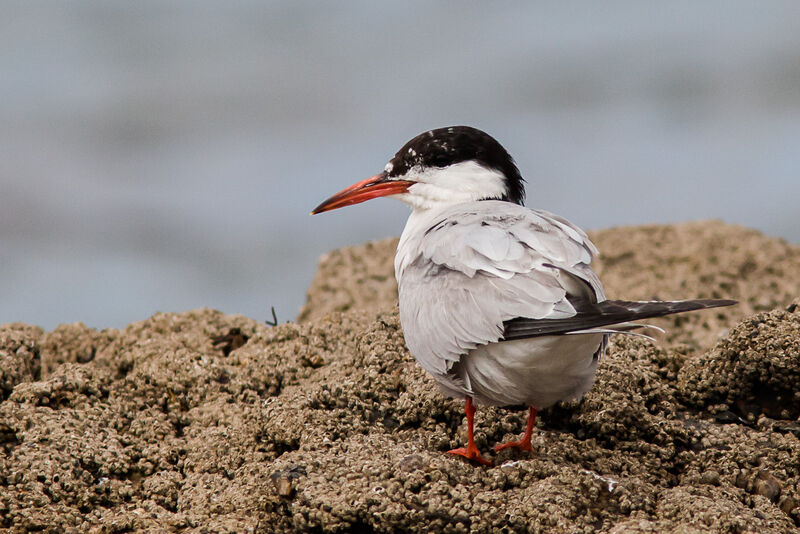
(471, 454)
(522, 445)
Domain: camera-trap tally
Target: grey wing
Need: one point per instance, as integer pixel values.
(466, 272)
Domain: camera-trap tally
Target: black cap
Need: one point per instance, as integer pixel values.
(447, 146)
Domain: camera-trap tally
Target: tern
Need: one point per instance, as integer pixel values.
(498, 302)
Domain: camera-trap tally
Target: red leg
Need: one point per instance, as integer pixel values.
(525, 443)
(471, 452)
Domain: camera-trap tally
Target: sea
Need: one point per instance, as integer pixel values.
(165, 155)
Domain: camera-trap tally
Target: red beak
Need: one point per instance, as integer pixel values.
(373, 187)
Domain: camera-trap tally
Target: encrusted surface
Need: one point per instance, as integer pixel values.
(184, 422)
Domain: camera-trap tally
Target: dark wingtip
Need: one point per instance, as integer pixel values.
(716, 303)
(605, 313)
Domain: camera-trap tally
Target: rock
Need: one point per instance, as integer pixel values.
(755, 369)
(710, 477)
(72, 343)
(360, 277)
(767, 485)
(201, 420)
(20, 358)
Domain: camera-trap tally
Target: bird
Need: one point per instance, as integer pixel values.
(497, 302)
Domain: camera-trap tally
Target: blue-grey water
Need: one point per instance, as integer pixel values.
(164, 155)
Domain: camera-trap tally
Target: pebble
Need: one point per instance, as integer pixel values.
(767, 485)
(710, 477)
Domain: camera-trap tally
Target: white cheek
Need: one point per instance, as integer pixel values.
(468, 176)
(463, 182)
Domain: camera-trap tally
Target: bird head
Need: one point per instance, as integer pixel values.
(438, 168)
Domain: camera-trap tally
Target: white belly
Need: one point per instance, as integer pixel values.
(536, 372)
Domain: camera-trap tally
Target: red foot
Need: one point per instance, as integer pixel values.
(471, 454)
(523, 444)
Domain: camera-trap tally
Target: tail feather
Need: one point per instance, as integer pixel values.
(595, 315)
(627, 327)
(610, 331)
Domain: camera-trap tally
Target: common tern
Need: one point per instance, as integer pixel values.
(498, 302)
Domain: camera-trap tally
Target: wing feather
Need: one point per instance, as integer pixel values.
(594, 315)
(466, 270)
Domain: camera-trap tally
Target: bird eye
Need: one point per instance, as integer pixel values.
(440, 160)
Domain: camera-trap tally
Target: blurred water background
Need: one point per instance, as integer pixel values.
(164, 155)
